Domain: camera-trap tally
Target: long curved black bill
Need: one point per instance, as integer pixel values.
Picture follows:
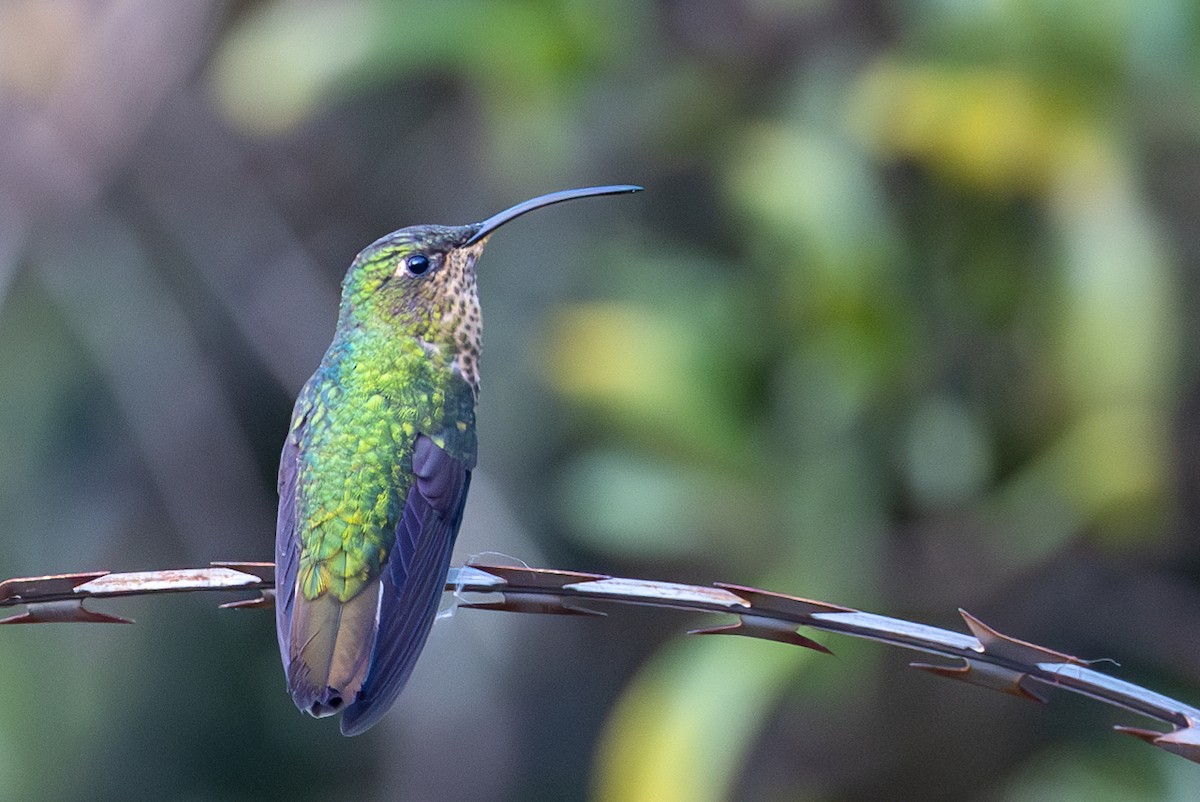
(497, 220)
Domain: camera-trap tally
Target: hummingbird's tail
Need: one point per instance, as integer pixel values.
(330, 649)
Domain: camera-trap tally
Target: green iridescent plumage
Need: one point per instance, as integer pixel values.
(368, 402)
(376, 465)
(401, 367)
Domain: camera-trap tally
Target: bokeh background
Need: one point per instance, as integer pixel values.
(905, 321)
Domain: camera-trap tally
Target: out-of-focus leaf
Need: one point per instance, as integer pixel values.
(640, 507)
(286, 60)
(994, 129)
(1117, 340)
(1118, 326)
(1107, 474)
(1115, 460)
(280, 64)
(812, 196)
(948, 453)
(680, 731)
(1076, 775)
(652, 371)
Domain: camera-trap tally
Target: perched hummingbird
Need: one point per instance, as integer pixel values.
(375, 468)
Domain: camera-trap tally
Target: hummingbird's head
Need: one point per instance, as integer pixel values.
(420, 280)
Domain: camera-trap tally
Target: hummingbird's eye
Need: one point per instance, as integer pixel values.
(417, 264)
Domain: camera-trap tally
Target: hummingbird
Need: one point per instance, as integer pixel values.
(375, 468)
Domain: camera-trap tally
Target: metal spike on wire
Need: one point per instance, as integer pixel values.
(986, 657)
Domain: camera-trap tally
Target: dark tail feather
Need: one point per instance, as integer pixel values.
(330, 649)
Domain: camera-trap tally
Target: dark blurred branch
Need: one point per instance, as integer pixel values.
(985, 657)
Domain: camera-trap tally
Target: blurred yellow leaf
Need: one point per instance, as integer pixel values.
(681, 729)
(651, 370)
(990, 128)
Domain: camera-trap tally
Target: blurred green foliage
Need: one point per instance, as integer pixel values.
(903, 322)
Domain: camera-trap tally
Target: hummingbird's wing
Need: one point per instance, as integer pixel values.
(412, 579)
(287, 545)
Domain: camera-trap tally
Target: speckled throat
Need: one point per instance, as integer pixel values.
(455, 319)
